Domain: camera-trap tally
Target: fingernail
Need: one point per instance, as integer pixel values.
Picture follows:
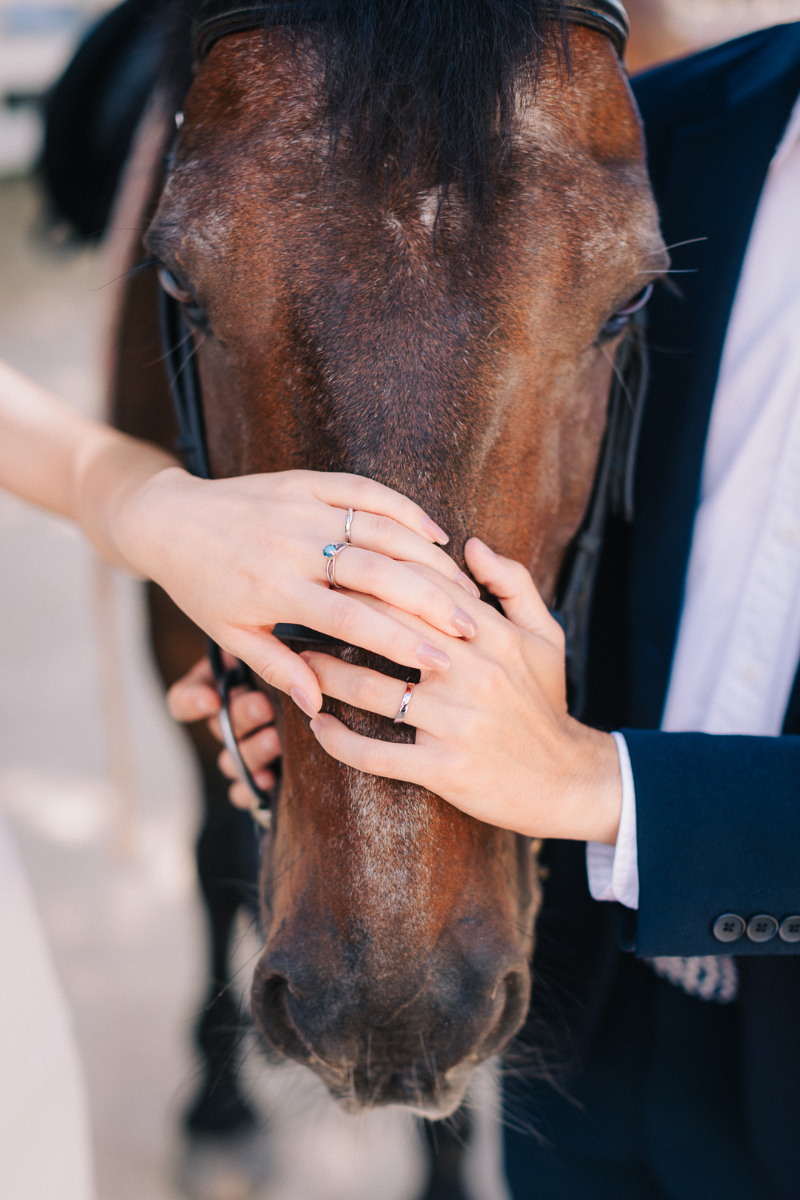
(429, 656)
(435, 531)
(463, 622)
(302, 701)
(488, 549)
(206, 706)
(467, 584)
(315, 727)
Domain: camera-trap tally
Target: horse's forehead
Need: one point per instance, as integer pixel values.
(276, 211)
(256, 143)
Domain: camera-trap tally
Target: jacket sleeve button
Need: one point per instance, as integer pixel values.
(728, 928)
(789, 930)
(762, 928)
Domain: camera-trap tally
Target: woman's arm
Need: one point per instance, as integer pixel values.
(58, 459)
(240, 555)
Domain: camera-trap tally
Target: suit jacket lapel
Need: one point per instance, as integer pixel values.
(712, 178)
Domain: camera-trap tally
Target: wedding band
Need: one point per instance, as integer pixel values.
(404, 703)
(330, 552)
(347, 525)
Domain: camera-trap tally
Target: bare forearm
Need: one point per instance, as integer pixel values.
(57, 459)
(110, 471)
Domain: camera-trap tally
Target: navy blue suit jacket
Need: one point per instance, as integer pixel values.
(718, 818)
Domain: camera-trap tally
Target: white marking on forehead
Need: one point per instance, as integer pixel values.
(207, 226)
(428, 207)
(389, 880)
(541, 127)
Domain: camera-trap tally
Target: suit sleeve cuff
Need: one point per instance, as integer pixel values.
(613, 871)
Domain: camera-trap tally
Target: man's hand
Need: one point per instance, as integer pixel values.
(195, 697)
(493, 736)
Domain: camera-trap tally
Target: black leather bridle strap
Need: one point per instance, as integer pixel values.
(606, 16)
(184, 384)
(187, 401)
(217, 18)
(612, 494)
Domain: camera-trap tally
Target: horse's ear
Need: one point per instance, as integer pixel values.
(92, 113)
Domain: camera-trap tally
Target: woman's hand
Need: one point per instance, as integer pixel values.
(241, 555)
(195, 698)
(493, 735)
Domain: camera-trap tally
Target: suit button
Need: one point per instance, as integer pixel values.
(762, 928)
(728, 928)
(790, 929)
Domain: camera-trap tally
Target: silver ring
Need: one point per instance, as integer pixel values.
(404, 703)
(331, 551)
(347, 525)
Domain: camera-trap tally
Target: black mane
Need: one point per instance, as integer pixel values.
(412, 78)
(409, 81)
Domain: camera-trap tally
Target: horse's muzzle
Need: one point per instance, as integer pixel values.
(372, 1048)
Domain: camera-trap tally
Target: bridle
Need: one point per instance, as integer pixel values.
(217, 18)
(612, 492)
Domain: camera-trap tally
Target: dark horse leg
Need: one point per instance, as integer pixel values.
(227, 867)
(445, 1141)
(227, 851)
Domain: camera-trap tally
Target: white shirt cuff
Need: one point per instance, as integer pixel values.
(613, 871)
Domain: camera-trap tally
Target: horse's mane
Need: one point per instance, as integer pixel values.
(419, 80)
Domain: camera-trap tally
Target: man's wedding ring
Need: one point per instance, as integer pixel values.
(404, 703)
(331, 551)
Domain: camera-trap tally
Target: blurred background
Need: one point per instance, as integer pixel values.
(95, 779)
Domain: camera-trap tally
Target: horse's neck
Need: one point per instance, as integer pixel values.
(134, 205)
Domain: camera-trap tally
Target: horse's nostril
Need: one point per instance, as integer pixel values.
(517, 988)
(516, 985)
(272, 1014)
(369, 1051)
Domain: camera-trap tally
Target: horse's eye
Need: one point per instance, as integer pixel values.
(615, 325)
(171, 286)
(191, 308)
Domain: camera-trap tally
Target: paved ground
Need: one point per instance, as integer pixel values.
(101, 792)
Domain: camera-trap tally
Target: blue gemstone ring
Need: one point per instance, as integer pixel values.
(330, 552)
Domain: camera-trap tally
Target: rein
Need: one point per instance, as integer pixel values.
(612, 493)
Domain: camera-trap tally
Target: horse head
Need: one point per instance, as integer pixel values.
(451, 333)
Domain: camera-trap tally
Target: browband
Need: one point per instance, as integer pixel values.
(217, 18)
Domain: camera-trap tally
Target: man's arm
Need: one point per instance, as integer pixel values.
(718, 832)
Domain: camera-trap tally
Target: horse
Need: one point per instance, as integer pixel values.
(406, 238)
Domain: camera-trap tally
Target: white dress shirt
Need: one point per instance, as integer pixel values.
(739, 636)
